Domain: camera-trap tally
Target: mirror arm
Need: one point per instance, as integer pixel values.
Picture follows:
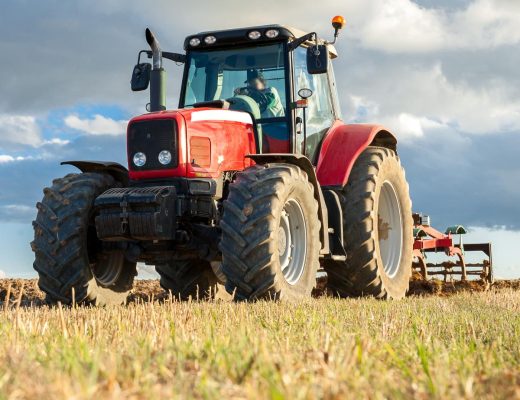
(175, 57)
(298, 42)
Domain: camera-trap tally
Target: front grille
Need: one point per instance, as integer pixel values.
(151, 137)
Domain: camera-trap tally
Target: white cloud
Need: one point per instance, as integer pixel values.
(56, 142)
(18, 208)
(488, 23)
(409, 125)
(17, 213)
(423, 99)
(19, 130)
(2, 274)
(397, 26)
(5, 158)
(403, 26)
(99, 125)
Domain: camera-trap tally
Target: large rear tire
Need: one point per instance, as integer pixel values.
(187, 279)
(270, 234)
(68, 256)
(378, 229)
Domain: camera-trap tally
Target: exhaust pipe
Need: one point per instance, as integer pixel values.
(157, 75)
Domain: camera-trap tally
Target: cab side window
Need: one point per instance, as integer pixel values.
(320, 112)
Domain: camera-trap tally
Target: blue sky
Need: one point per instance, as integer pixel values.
(442, 75)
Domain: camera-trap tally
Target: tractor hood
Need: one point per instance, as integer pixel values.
(191, 143)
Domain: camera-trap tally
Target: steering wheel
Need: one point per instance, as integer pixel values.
(260, 98)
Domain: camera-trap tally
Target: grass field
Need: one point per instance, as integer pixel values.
(465, 345)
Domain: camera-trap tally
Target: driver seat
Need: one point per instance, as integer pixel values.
(248, 105)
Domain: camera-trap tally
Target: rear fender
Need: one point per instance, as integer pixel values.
(305, 164)
(117, 171)
(342, 147)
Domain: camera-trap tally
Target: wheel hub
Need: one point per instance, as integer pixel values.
(390, 229)
(292, 241)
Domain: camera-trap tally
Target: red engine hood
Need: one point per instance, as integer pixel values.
(229, 136)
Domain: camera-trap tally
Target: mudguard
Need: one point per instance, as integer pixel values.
(342, 147)
(118, 172)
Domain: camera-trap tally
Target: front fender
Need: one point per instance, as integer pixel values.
(342, 147)
(117, 171)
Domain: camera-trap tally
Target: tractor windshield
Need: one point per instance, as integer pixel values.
(252, 79)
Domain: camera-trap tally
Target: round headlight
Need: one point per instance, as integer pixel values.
(139, 159)
(194, 42)
(210, 39)
(272, 33)
(254, 35)
(165, 157)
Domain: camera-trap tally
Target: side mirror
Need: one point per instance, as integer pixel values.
(141, 77)
(317, 59)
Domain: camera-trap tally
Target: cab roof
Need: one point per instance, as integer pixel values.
(240, 36)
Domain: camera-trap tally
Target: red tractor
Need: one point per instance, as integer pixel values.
(254, 182)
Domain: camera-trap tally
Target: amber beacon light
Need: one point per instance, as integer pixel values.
(338, 22)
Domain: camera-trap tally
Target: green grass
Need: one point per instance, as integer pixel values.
(467, 345)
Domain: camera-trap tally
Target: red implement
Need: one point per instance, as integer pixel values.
(429, 240)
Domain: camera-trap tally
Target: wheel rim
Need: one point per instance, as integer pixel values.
(292, 241)
(108, 268)
(390, 229)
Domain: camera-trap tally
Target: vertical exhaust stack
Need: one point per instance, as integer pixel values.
(157, 76)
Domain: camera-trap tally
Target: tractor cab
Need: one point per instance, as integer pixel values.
(261, 70)
(281, 76)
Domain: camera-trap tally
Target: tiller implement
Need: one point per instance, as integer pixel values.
(429, 240)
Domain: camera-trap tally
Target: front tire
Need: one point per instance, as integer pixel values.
(378, 230)
(68, 256)
(187, 279)
(270, 234)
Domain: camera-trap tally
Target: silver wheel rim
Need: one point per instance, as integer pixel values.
(390, 229)
(292, 241)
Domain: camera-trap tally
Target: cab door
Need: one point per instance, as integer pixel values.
(320, 113)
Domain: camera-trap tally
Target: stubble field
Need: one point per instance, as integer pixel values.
(454, 344)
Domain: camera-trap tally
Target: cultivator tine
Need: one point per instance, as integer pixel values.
(420, 265)
(485, 268)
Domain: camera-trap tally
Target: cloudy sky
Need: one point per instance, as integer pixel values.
(442, 75)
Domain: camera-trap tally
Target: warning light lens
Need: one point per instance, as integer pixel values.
(338, 22)
(210, 39)
(272, 33)
(194, 42)
(254, 35)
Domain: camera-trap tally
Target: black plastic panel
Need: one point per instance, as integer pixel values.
(136, 213)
